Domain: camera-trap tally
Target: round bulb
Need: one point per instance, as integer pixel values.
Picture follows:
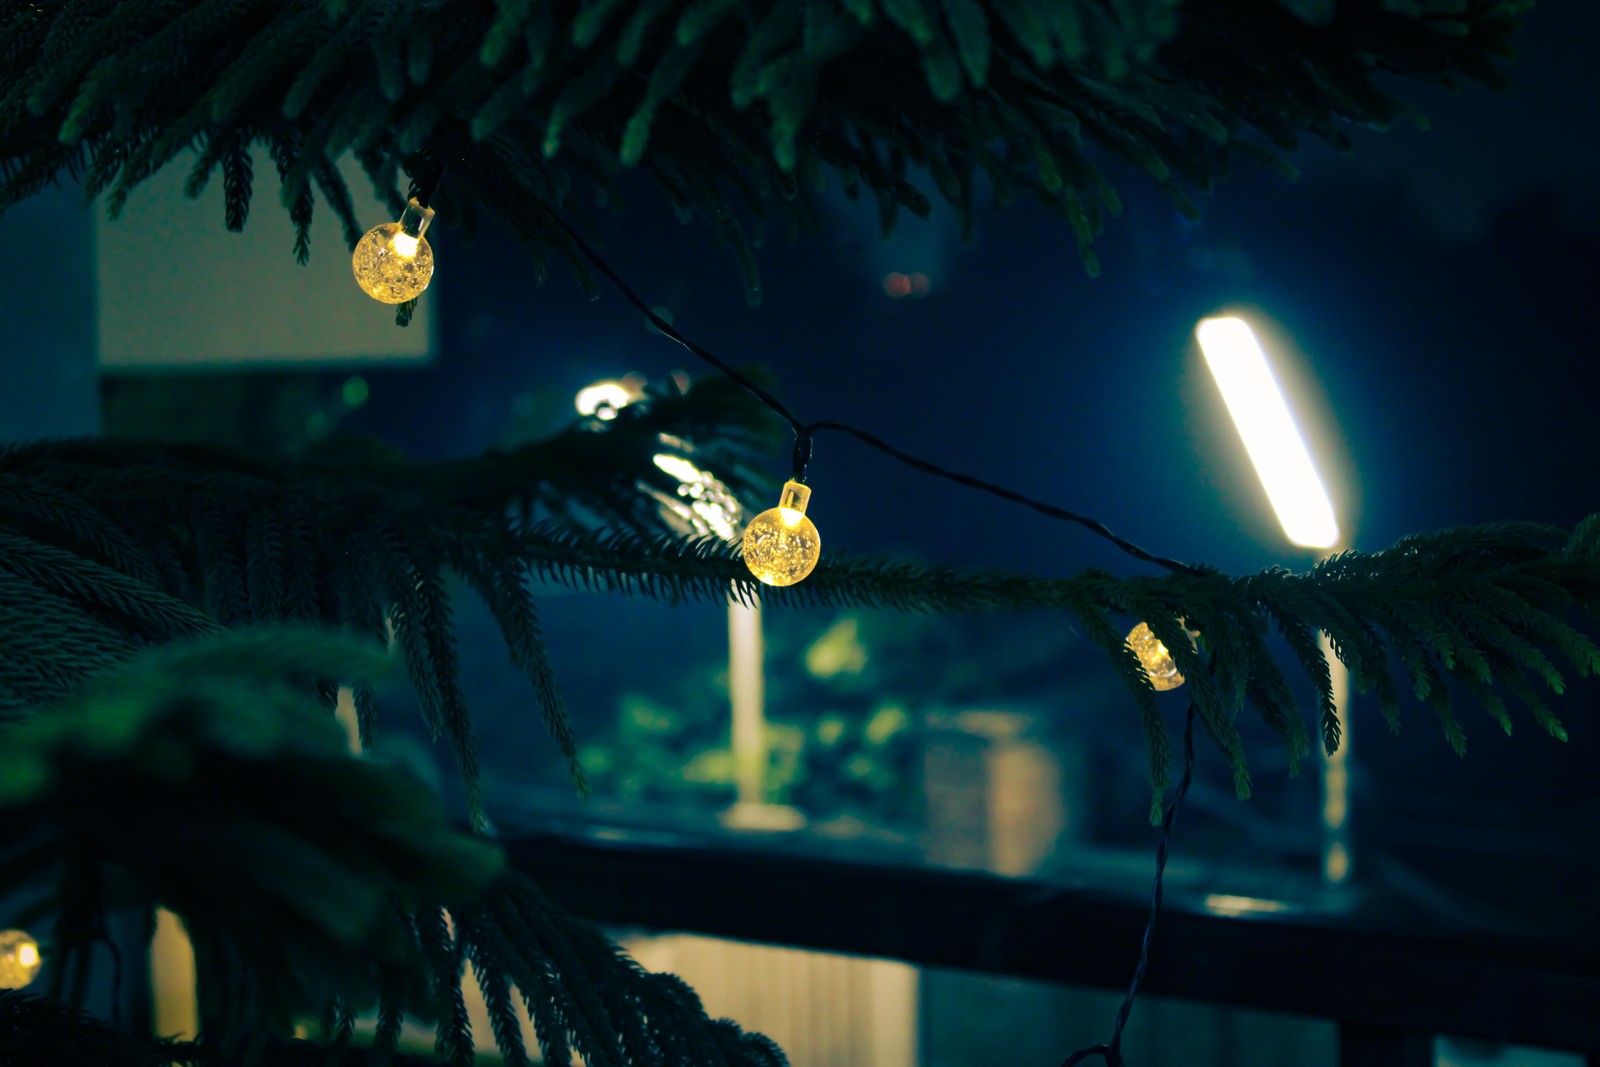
(20, 959)
(781, 545)
(1154, 657)
(393, 263)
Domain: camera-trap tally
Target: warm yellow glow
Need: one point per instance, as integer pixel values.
(747, 696)
(1154, 658)
(1336, 863)
(393, 263)
(1268, 430)
(385, 272)
(20, 959)
(1228, 904)
(781, 545)
(175, 1003)
(1336, 857)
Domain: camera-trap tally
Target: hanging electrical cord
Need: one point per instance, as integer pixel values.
(1112, 1050)
(805, 432)
(804, 435)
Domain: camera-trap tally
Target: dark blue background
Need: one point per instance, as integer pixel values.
(1438, 290)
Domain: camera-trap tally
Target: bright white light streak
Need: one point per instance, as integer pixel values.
(603, 399)
(708, 494)
(1270, 435)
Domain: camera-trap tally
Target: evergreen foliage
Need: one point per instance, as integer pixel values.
(124, 564)
(110, 546)
(1485, 607)
(739, 111)
(176, 620)
(205, 776)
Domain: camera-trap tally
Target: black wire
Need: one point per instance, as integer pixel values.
(804, 433)
(423, 191)
(1112, 1052)
(772, 402)
(1012, 495)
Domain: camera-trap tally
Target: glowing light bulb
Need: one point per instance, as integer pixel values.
(1154, 658)
(20, 959)
(394, 262)
(781, 545)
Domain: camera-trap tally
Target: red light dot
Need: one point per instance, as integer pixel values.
(896, 285)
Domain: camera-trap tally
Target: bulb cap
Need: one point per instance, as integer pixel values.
(796, 495)
(414, 221)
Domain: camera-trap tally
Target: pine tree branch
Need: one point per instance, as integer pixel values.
(1500, 609)
(537, 105)
(203, 776)
(1444, 583)
(232, 540)
(1496, 608)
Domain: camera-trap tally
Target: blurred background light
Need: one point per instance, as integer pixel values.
(1275, 445)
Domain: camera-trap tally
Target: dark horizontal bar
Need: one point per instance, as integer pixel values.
(1362, 1045)
(1462, 984)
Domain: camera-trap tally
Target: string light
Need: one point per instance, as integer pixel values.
(805, 431)
(1154, 657)
(781, 545)
(20, 959)
(394, 262)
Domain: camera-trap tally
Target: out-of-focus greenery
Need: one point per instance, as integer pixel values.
(845, 707)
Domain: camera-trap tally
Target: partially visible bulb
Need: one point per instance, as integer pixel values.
(394, 263)
(781, 545)
(1154, 657)
(20, 959)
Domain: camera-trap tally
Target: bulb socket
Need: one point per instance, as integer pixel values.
(415, 219)
(795, 496)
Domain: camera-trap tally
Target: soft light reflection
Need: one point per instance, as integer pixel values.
(1228, 904)
(1273, 441)
(1336, 863)
(897, 284)
(678, 467)
(602, 400)
(706, 506)
(747, 697)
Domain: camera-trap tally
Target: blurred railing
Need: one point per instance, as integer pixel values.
(1390, 991)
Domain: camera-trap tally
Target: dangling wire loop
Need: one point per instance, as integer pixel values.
(1113, 1050)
